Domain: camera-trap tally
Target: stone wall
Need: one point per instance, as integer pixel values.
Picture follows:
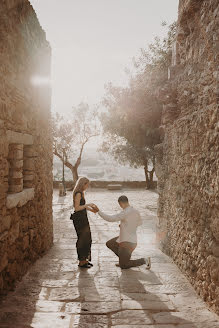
(188, 158)
(25, 141)
(104, 184)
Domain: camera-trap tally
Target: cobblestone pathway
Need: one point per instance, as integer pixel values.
(56, 294)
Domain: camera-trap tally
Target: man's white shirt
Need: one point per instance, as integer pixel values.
(130, 219)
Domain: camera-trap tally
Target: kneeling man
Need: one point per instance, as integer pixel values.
(124, 245)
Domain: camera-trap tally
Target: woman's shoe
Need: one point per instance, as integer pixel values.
(90, 264)
(86, 265)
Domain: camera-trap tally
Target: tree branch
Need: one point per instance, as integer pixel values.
(78, 162)
(55, 152)
(66, 162)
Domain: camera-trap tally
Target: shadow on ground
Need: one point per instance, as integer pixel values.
(56, 293)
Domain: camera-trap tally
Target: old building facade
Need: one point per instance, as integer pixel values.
(25, 141)
(188, 158)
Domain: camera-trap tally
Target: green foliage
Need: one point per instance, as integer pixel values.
(125, 152)
(153, 62)
(133, 114)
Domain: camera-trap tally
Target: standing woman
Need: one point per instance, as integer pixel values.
(81, 223)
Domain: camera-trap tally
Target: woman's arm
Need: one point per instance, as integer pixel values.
(77, 205)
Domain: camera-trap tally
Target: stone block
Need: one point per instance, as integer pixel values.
(20, 199)
(4, 236)
(24, 224)
(137, 317)
(16, 146)
(114, 187)
(215, 228)
(5, 223)
(3, 262)
(215, 249)
(28, 184)
(13, 189)
(16, 164)
(3, 190)
(3, 148)
(32, 234)
(29, 164)
(12, 3)
(15, 154)
(16, 173)
(26, 242)
(148, 305)
(28, 177)
(20, 138)
(216, 75)
(4, 167)
(12, 270)
(12, 253)
(15, 181)
(29, 151)
(13, 233)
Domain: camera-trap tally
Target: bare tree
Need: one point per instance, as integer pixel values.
(71, 134)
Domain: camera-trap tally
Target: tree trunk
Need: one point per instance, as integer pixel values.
(149, 175)
(74, 171)
(146, 175)
(151, 181)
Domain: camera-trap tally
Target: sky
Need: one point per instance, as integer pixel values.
(93, 41)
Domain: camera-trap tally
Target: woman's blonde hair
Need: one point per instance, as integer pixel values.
(79, 186)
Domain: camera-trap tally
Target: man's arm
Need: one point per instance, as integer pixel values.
(112, 218)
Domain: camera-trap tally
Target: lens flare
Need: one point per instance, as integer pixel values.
(41, 81)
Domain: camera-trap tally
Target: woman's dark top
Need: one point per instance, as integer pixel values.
(82, 202)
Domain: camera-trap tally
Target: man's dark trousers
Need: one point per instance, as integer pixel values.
(124, 252)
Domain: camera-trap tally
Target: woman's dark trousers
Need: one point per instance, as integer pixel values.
(84, 241)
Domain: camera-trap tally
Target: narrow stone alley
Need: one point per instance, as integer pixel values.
(56, 293)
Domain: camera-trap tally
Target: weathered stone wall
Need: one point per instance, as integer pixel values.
(188, 158)
(25, 141)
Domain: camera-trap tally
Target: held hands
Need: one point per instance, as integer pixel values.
(92, 208)
(89, 207)
(95, 208)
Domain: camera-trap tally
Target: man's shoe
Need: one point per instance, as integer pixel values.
(148, 263)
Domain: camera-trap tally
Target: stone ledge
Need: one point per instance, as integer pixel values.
(114, 186)
(20, 199)
(20, 138)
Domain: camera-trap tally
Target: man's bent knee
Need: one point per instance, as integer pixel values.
(123, 266)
